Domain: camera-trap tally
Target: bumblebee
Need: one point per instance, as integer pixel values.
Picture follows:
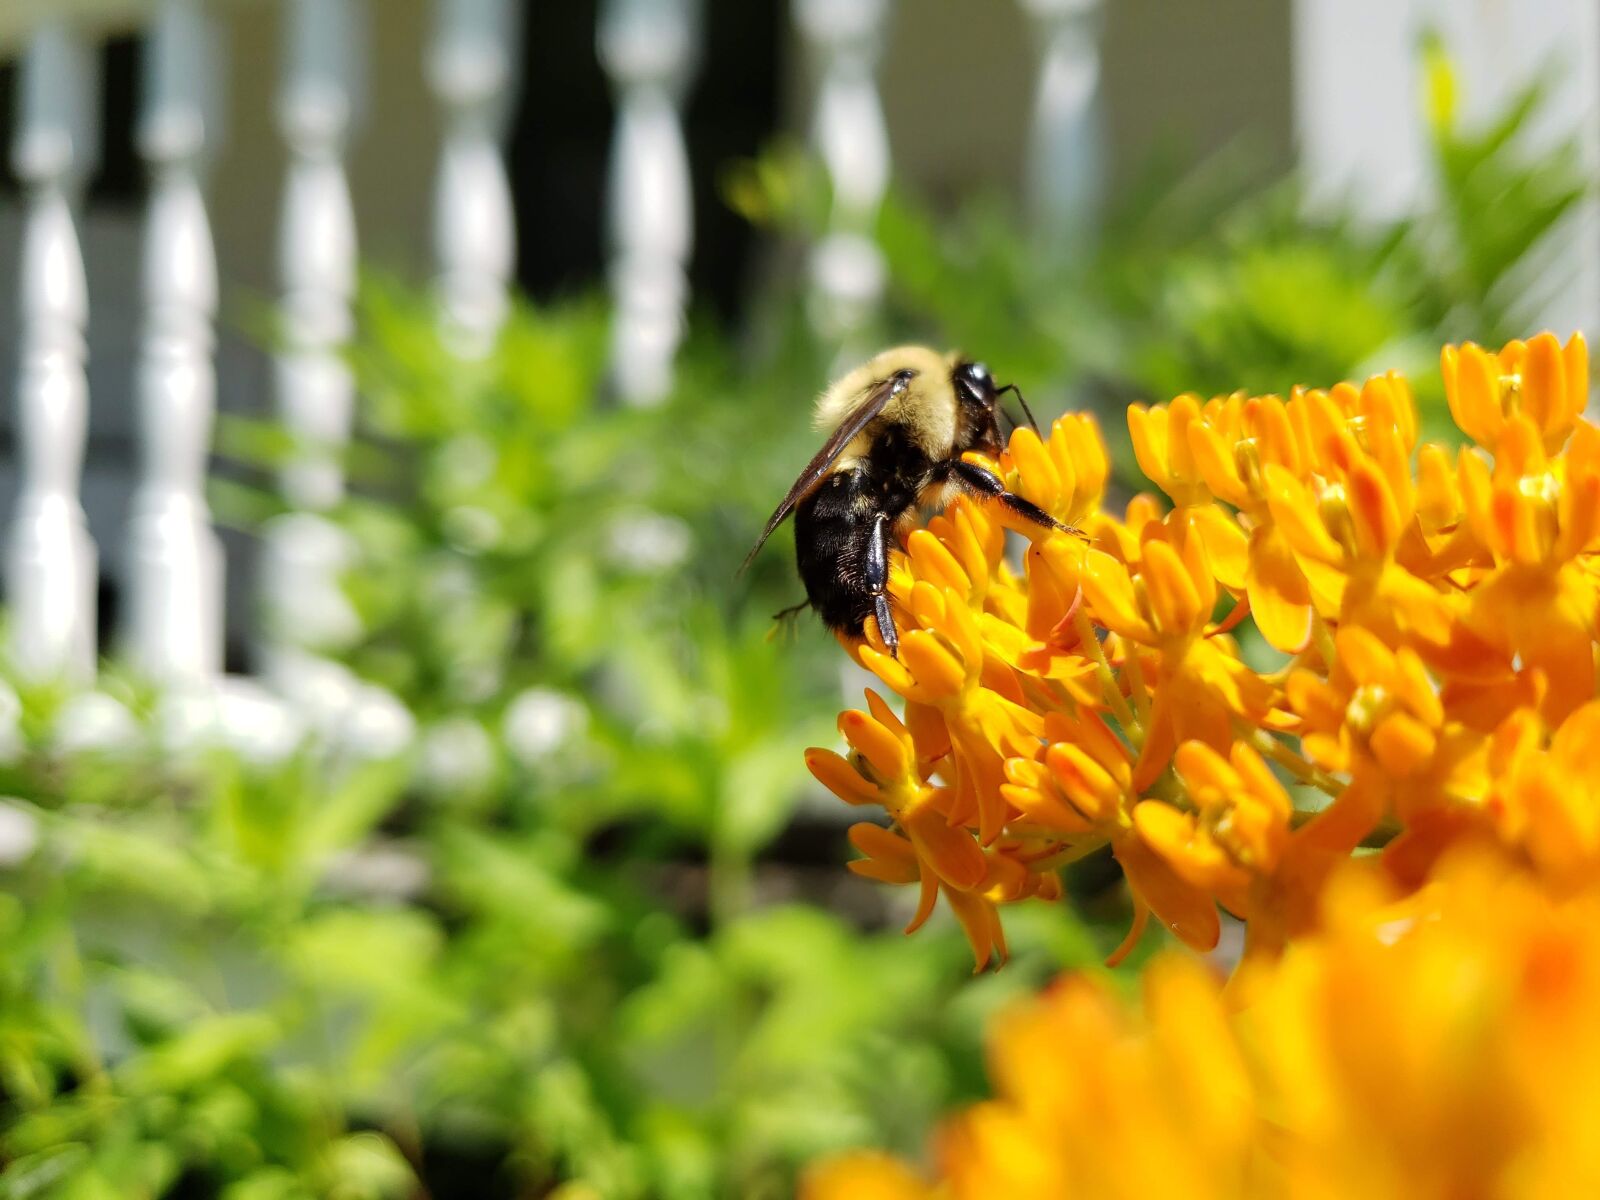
(897, 428)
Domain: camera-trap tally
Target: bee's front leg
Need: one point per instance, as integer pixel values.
(877, 565)
(987, 483)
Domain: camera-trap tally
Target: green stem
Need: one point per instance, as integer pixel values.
(1108, 680)
(1297, 765)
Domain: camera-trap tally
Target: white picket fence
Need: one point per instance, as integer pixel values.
(650, 51)
(174, 628)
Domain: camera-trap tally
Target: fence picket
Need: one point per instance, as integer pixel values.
(1065, 169)
(50, 560)
(305, 552)
(849, 133)
(649, 49)
(470, 69)
(175, 620)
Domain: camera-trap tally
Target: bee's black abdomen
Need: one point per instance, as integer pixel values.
(842, 530)
(833, 534)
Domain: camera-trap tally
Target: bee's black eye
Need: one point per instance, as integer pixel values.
(975, 382)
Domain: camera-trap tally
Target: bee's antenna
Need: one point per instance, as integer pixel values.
(1017, 392)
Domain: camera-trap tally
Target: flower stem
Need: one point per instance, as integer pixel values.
(1108, 680)
(1297, 765)
(1137, 688)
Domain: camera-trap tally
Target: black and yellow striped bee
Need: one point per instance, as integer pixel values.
(897, 428)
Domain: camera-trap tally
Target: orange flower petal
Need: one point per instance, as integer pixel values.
(1174, 599)
(835, 773)
(1280, 597)
(1183, 908)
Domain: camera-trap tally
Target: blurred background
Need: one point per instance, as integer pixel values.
(399, 795)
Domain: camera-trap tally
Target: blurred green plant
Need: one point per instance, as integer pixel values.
(552, 944)
(1201, 280)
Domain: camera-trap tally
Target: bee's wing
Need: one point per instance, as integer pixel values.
(870, 406)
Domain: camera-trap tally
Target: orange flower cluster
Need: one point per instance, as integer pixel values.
(1329, 636)
(1482, 1077)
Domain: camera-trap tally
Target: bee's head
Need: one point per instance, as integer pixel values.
(976, 394)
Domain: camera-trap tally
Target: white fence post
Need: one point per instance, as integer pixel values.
(849, 133)
(175, 629)
(305, 552)
(1065, 153)
(649, 50)
(50, 559)
(470, 68)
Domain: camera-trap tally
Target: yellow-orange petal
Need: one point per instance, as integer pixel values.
(834, 772)
(1186, 910)
(1280, 596)
(981, 923)
(1109, 592)
(1475, 400)
(1576, 743)
(1438, 497)
(937, 670)
(884, 871)
(1402, 745)
(1365, 656)
(879, 746)
(1147, 429)
(883, 714)
(1314, 699)
(883, 845)
(1174, 601)
(1544, 384)
(1226, 544)
(1202, 767)
(929, 734)
(1575, 372)
(1295, 511)
(951, 852)
(1216, 466)
(1192, 855)
(891, 671)
(933, 562)
(1092, 790)
(1373, 512)
(1037, 475)
(1415, 689)
(927, 897)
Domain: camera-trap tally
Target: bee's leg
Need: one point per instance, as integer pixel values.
(987, 483)
(878, 580)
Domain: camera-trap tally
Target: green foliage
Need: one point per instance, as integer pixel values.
(574, 953)
(1203, 281)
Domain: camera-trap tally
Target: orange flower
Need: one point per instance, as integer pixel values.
(1237, 830)
(1440, 1044)
(937, 855)
(1541, 379)
(1164, 604)
(1378, 718)
(1546, 795)
(1536, 517)
(1065, 474)
(1437, 617)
